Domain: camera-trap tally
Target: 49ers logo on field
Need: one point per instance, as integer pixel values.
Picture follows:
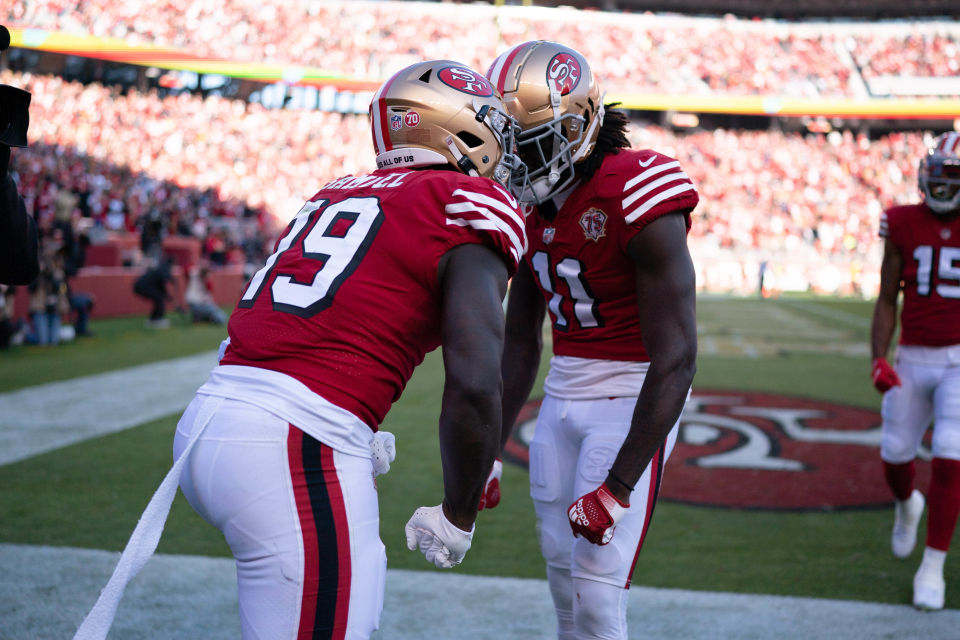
(563, 73)
(467, 81)
(765, 451)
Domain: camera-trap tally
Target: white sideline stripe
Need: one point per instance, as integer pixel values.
(46, 591)
(49, 416)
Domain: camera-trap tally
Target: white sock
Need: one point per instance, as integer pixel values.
(599, 610)
(933, 560)
(561, 588)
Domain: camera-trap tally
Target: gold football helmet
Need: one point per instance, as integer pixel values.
(939, 174)
(443, 112)
(551, 91)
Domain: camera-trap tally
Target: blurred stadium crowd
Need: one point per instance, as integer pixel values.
(630, 51)
(802, 207)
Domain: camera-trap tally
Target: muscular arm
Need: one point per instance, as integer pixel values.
(522, 346)
(474, 281)
(666, 294)
(885, 310)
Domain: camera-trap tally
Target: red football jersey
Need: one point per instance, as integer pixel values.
(580, 258)
(930, 247)
(349, 303)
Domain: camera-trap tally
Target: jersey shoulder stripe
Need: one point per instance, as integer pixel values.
(900, 219)
(657, 178)
(884, 226)
(488, 212)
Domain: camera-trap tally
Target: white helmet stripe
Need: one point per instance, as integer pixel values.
(379, 122)
(949, 143)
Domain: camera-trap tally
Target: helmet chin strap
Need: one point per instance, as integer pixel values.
(542, 186)
(553, 175)
(463, 162)
(586, 148)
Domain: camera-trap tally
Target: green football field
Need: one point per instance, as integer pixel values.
(91, 494)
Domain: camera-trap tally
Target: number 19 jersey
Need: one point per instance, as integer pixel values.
(350, 302)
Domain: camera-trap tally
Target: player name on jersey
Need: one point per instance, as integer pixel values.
(370, 181)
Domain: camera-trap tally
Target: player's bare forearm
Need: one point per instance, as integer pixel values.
(523, 345)
(885, 310)
(469, 441)
(666, 296)
(658, 408)
(519, 370)
(474, 282)
(882, 328)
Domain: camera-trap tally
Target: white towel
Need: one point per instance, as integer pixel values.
(144, 539)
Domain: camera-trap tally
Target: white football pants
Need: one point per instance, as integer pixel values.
(930, 378)
(301, 519)
(574, 444)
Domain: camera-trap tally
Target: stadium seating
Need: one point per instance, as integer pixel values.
(807, 206)
(634, 51)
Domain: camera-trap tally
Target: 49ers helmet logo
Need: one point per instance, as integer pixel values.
(563, 73)
(766, 451)
(465, 80)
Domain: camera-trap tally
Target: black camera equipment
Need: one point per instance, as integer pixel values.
(14, 107)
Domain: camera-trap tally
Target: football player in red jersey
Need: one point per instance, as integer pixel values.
(608, 260)
(280, 447)
(921, 258)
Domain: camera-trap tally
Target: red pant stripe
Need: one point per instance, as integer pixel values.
(325, 598)
(656, 475)
(339, 512)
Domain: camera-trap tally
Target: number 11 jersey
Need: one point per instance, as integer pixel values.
(580, 261)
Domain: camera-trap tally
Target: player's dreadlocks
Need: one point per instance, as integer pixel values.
(612, 138)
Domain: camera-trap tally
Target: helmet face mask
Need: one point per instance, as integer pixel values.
(551, 91)
(442, 112)
(548, 153)
(939, 175)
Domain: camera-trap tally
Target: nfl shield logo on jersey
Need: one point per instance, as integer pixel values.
(594, 223)
(548, 234)
(396, 121)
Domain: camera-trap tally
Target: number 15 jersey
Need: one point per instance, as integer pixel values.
(350, 301)
(929, 245)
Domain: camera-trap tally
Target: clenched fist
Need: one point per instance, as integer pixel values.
(595, 515)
